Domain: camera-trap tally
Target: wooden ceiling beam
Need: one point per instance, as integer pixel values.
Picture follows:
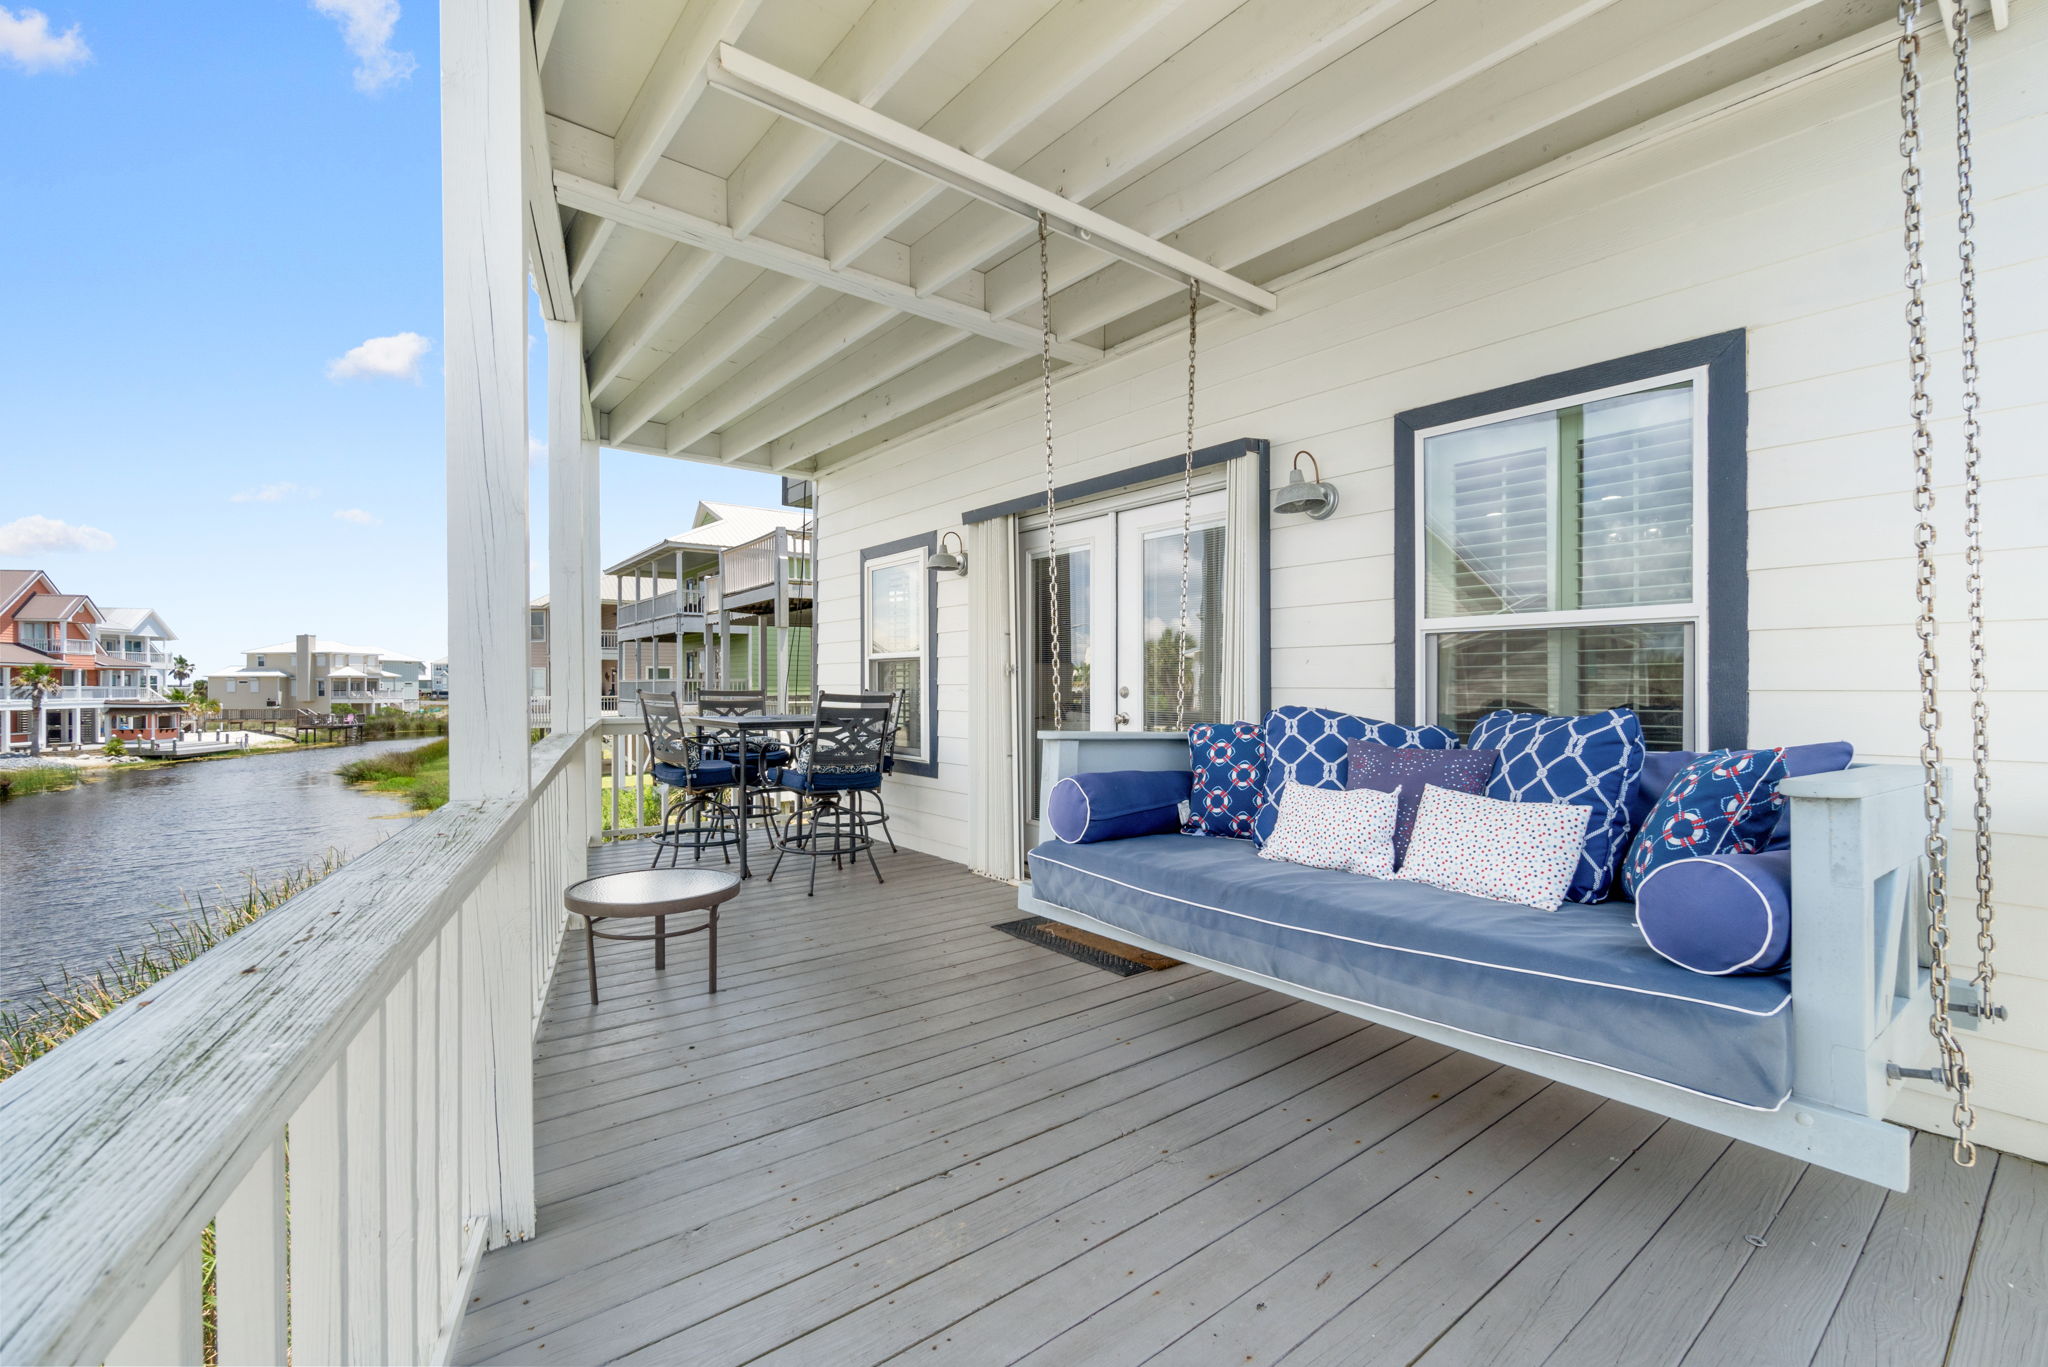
(662, 295)
(673, 86)
(588, 235)
(972, 360)
(842, 326)
(547, 252)
(909, 344)
(758, 306)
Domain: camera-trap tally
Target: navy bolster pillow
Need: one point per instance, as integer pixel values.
(1116, 805)
(1720, 913)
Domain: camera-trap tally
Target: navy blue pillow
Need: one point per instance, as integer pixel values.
(1720, 913)
(1229, 759)
(1408, 771)
(1725, 802)
(1311, 746)
(1589, 762)
(1116, 805)
(1661, 766)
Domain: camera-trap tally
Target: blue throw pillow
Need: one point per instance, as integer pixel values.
(1661, 766)
(1721, 913)
(1229, 760)
(1587, 761)
(1408, 771)
(1115, 805)
(1311, 746)
(1725, 802)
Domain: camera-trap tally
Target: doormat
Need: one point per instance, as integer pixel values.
(1120, 959)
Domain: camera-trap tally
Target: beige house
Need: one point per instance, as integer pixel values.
(540, 636)
(313, 673)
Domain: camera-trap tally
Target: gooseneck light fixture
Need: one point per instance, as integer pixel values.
(943, 559)
(1312, 497)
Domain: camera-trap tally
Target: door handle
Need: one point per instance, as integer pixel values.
(1122, 719)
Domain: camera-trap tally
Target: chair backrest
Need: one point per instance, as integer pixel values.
(731, 702)
(893, 702)
(668, 740)
(849, 739)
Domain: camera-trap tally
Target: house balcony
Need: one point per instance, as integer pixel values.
(658, 615)
(752, 576)
(84, 693)
(608, 644)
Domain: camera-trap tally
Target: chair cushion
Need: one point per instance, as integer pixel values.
(772, 758)
(1408, 771)
(1311, 746)
(1350, 830)
(709, 773)
(1588, 761)
(1116, 805)
(1720, 913)
(1580, 983)
(1725, 802)
(822, 781)
(1229, 762)
(1522, 852)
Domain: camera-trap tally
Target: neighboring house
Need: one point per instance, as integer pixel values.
(411, 677)
(435, 685)
(316, 674)
(139, 638)
(681, 624)
(540, 640)
(102, 693)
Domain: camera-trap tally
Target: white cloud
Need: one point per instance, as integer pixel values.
(536, 450)
(26, 40)
(366, 27)
(273, 493)
(357, 516)
(396, 357)
(35, 535)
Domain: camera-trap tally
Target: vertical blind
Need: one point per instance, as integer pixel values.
(1164, 644)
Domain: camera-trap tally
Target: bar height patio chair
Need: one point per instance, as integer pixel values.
(695, 811)
(839, 756)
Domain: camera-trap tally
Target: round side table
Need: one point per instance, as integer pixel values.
(659, 893)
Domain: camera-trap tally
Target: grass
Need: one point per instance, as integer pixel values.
(65, 1008)
(420, 775)
(37, 778)
(650, 802)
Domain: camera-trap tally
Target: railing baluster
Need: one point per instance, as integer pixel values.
(362, 1192)
(248, 1266)
(400, 1196)
(167, 1332)
(452, 1206)
(318, 1302)
(427, 1142)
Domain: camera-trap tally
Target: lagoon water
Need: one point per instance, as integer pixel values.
(84, 873)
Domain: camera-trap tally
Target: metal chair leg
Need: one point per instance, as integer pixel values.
(590, 952)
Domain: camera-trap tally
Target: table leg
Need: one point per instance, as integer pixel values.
(661, 942)
(745, 799)
(590, 951)
(711, 933)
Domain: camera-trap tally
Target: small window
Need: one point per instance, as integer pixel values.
(261, 663)
(895, 642)
(537, 624)
(1557, 552)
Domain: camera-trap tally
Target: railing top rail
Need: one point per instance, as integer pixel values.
(116, 1148)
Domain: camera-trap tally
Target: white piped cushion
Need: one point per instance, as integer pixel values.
(1523, 852)
(1350, 830)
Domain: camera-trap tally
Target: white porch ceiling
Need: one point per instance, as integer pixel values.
(755, 291)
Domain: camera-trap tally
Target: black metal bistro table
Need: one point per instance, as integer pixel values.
(752, 726)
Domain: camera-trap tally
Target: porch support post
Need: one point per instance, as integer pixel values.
(484, 326)
(573, 570)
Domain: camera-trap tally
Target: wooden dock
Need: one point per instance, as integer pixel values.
(898, 1135)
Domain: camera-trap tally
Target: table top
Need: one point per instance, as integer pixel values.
(651, 892)
(757, 721)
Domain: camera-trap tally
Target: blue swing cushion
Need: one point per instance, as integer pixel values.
(1590, 761)
(1229, 760)
(1311, 747)
(708, 773)
(1725, 802)
(1720, 913)
(1116, 805)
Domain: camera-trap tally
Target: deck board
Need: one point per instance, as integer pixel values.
(894, 1134)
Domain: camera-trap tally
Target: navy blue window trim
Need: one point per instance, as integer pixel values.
(928, 767)
(1163, 468)
(1727, 477)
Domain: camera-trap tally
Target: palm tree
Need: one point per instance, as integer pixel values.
(213, 711)
(181, 668)
(40, 681)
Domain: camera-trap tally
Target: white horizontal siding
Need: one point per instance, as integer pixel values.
(1780, 217)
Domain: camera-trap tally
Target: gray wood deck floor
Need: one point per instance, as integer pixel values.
(896, 1135)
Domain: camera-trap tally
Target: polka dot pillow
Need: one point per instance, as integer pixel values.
(1349, 830)
(1523, 852)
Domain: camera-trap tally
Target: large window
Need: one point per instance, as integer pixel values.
(895, 642)
(1557, 552)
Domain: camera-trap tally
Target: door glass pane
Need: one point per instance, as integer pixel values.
(1165, 647)
(1568, 671)
(893, 627)
(1635, 499)
(1077, 642)
(1487, 515)
(901, 678)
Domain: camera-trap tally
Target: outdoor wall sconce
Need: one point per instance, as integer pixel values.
(943, 559)
(1313, 497)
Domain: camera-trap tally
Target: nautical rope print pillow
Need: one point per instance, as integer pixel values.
(1523, 852)
(1348, 830)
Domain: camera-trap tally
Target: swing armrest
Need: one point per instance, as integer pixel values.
(1858, 838)
(1063, 754)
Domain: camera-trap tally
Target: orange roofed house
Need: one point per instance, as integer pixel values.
(100, 693)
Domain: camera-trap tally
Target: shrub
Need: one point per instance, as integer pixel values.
(114, 748)
(37, 778)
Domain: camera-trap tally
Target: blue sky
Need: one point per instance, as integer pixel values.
(211, 211)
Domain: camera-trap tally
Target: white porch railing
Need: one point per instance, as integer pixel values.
(381, 1025)
(628, 784)
(78, 693)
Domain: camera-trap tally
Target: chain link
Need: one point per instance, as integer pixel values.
(1933, 800)
(1187, 514)
(1052, 520)
(1986, 976)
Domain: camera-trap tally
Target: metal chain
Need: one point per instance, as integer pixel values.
(1052, 521)
(1187, 513)
(1986, 976)
(1954, 1066)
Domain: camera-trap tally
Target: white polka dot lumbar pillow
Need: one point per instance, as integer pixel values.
(1521, 852)
(1351, 830)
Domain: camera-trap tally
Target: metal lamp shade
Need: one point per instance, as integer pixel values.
(1302, 496)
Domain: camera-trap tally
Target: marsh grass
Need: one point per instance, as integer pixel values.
(36, 778)
(420, 775)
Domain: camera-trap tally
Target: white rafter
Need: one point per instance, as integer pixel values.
(841, 326)
(908, 345)
(547, 254)
(662, 295)
(674, 85)
(768, 298)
